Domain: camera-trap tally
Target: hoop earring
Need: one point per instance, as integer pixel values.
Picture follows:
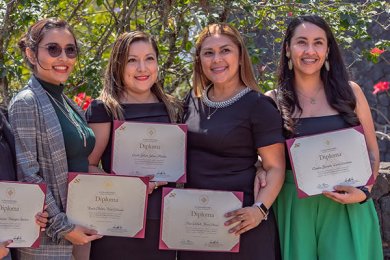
(327, 66)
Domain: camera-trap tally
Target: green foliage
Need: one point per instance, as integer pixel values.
(175, 24)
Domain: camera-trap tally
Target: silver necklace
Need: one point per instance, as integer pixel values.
(313, 100)
(212, 113)
(65, 110)
(222, 104)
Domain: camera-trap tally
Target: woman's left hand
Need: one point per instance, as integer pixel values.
(345, 194)
(247, 218)
(154, 185)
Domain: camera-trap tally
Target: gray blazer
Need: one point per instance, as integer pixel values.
(41, 157)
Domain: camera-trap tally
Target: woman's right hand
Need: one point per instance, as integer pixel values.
(81, 235)
(260, 180)
(3, 248)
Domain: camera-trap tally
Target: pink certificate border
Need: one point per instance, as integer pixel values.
(290, 143)
(43, 188)
(163, 246)
(183, 127)
(145, 180)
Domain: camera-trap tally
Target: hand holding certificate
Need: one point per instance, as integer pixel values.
(111, 204)
(194, 220)
(19, 203)
(323, 161)
(150, 149)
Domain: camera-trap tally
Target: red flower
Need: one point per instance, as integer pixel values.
(289, 14)
(82, 100)
(376, 51)
(381, 87)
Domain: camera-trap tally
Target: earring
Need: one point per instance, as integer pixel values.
(327, 66)
(289, 63)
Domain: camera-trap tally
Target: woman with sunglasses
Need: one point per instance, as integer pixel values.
(51, 135)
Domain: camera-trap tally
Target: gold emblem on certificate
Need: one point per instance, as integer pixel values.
(150, 149)
(19, 202)
(111, 204)
(194, 220)
(323, 161)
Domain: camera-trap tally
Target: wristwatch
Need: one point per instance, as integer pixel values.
(366, 191)
(263, 209)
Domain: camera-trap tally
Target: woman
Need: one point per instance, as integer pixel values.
(131, 92)
(8, 173)
(51, 136)
(315, 96)
(229, 124)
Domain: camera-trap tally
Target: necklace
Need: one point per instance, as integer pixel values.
(210, 114)
(222, 104)
(65, 109)
(313, 100)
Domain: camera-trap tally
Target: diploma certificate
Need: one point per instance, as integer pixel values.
(194, 220)
(324, 160)
(19, 203)
(111, 204)
(144, 149)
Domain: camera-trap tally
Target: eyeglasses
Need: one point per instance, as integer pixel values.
(55, 50)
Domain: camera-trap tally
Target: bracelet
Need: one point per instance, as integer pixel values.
(366, 191)
(263, 209)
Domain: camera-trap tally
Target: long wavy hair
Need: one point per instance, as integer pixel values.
(338, 91)
(200, 81)
(114, 83)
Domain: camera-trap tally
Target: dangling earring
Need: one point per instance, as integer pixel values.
(289, 63)
(327, 66)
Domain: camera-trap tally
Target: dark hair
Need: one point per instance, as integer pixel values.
(114, 82)
(35, 34)
(338, 91)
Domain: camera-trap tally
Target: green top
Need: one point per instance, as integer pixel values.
(73, 128)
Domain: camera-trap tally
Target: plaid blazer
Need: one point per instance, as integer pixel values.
(41, 157)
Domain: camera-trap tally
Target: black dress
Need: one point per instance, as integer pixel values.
(7, 151)
(222, 152)
(131, 248)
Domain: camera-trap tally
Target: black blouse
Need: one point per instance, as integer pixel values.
(7, 151)
(222, 150)
(152, 113)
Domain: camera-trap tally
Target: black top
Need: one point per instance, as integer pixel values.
(152, 113)
(7, 151)
(76, 153)
(222, 150)
(317, 125)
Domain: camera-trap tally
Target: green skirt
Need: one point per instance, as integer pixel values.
(319, 228)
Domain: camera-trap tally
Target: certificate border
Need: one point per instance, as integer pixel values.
(145, 180)
(43, 188)
(183, 127)
(162, 245)
(290, 142)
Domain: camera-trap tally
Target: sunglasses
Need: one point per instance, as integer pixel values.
(55, 50)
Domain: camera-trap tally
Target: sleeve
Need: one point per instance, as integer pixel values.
(267, 127)
(23, 118)
(97, 113)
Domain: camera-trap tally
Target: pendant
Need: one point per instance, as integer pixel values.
(84, 138)
(312, 101)
(208, 117)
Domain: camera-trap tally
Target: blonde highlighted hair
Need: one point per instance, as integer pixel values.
(200, 82)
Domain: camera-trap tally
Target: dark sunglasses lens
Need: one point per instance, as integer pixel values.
(54, 50)
(71, 51)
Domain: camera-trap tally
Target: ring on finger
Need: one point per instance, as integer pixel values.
(155, 186)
